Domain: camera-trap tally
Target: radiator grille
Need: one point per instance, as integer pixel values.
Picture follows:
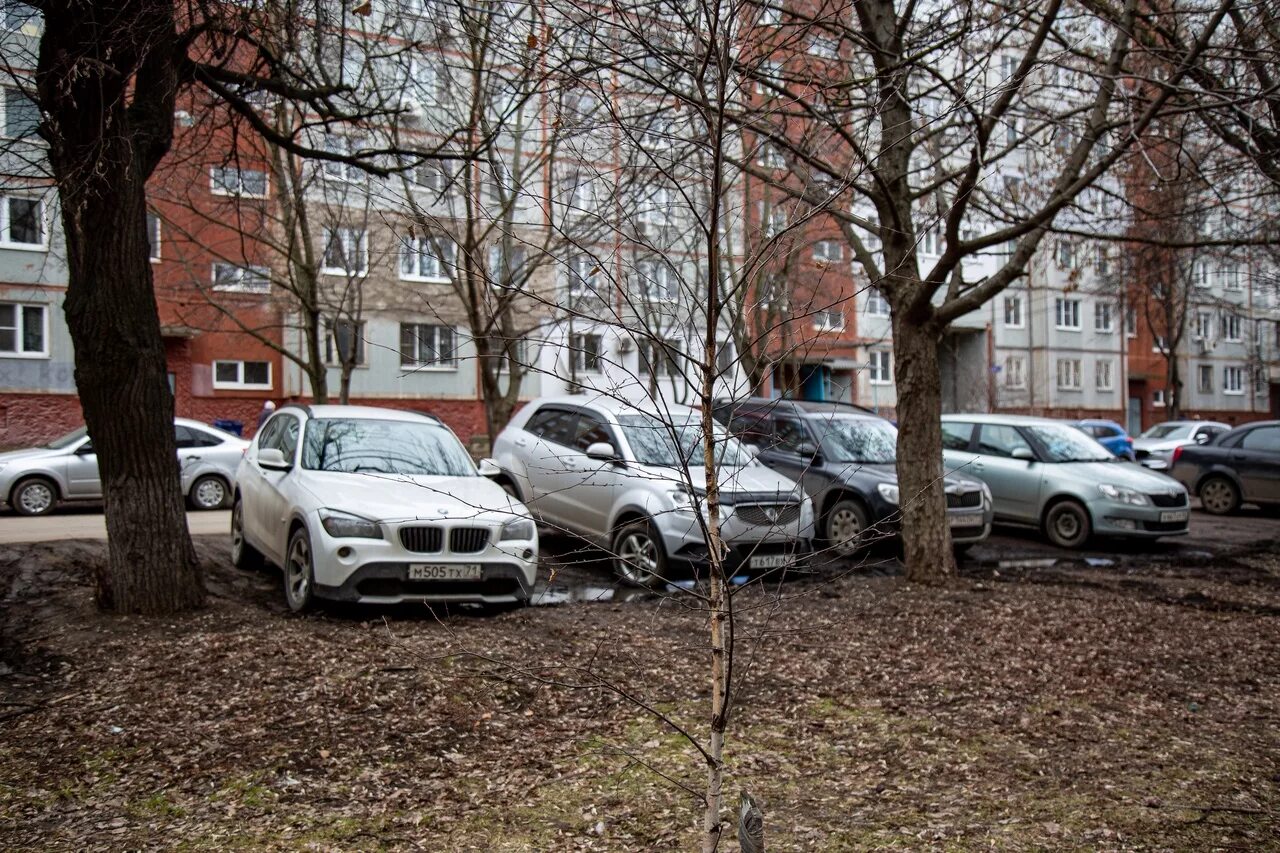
(964, 499)
(421, 540)
(468, 540)
(1167, 499)
(767, 514)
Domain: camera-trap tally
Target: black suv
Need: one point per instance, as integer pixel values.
(846, 458)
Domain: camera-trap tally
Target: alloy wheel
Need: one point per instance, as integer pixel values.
(36, 498)
(844, 531)
(1218, 496)
(637, 558)
(210, 493)
(297, 573)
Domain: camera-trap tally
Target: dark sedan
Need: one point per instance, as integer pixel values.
(1241, 466)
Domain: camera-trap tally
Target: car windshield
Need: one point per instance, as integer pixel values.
(68, 439)
(1167, 431)
(1067, 444)
(367, 446)
(676, 444)
(857, 440)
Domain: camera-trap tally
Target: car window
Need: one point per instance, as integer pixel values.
(369, 446)
(1211, 432)
(753, 429)
(591, 429)
(1265, 439)
(289, 430)
(270, 435)
(792, 435)
(554, 425)
(203, 439)
(956, 435)
(184, 438)
(1000, 440)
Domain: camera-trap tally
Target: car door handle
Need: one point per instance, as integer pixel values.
(520, 442)
(1238, 457)
(977, 466)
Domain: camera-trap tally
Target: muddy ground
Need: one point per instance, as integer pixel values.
(1068, 706)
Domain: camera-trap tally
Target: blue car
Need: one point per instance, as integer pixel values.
(1110, 435)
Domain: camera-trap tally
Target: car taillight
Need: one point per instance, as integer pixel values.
(1128, 441)
(1177, 451)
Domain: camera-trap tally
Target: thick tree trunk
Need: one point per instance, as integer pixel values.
(107, 88)
(926, 539)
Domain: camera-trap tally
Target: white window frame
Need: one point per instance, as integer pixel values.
(1104, 375)
(1073, 379)
(4, 113)
(578, 352)
(336, 170)
(422, 248)
(829, 320)
(1014, 301)
(1200, 274)
(361, 245)
(662, 357)
(1015, 379)
(1232, 328)
(877, 305)
(1231, 277)
(1233, 381)
(880, 367)
(417, 363)
(1203, 372)
(1104, 321)
(155, 234)
(221, 188)
(220, 385)
(19, 327)
(1203, 330)
(1157, 398)
(1131, 322)
(931, 242)
(657, 280)
(770, 13)
(43, 214)
(823, 47)
(823, 252)
(1063, 306)
(359, 337)
(243, 272)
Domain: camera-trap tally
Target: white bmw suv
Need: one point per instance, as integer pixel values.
(379, 506)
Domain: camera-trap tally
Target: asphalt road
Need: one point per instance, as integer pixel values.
(86, 522)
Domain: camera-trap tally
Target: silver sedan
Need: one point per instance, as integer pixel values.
(34, 481)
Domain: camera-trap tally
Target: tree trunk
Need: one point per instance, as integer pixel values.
(926, 539)
(108, 94)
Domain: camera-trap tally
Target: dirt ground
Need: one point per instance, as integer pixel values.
(1043, 707)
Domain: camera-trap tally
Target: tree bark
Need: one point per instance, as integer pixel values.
(106, 81)
(926, 540)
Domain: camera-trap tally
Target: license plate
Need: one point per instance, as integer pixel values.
(1175, 515)
(769, 561)
(459, 572)
(964, 521)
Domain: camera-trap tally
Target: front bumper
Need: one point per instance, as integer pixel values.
(786, 542)
(755, 557)
(376, 571)
(1115, 519)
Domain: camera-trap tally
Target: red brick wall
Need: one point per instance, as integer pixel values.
(27, 420)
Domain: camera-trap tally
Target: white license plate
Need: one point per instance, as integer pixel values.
(769, 561)
(1175, 515)
(965, 520)
(459, 572)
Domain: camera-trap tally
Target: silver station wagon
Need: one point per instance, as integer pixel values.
(1049, 474)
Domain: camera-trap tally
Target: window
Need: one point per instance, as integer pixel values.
(426, 257)
(340, 170)
(824, 47)
(770, 157)
(1069, 374)
(153, 236)
(1233, 380)
(1159, 344)
(770, 13)
(661, 358)
(931, 241)
(424, 345)
(1203, 330)
(585, 352)
(1001, 440)
(16, 15)
(22, 222)
(346, 252)
(829, 320)
(1232, 327)
(773, 220)
(1103, 261)
(1013, 312)
(1067, 314)
(655, 209)
(242, 374)
(554, 424)
(1157, 398)
(228, 180)
(23, 329)
(792, 436)
(769, 78)
(583, 277)
(578, 193)
(725, 358)
(1015, 372)
(956, 436)
(437, 177)
(1066, 255)
(344, 342)
(880, 367)
(877, 305)
(1204, 378)
(657, 280)
(21, 115)
(827, 252)
(1131, 322)
(1102, 373)
(1231, 279)
(506, 264)
(1102, 318)
(1200, 274)
(1266, 439)
(591, 429)
(236, 279)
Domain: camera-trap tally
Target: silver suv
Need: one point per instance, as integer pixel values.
(627, 480)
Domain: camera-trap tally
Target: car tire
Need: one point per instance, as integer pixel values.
(243, 555)
(208, 493)
(1067, 524)
(638, 555)
(844, 528)
(1219, 496)
(34, 496)
(299, 572)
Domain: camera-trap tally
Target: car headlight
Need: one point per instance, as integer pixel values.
(1124, 495)
(889, 492)
(521, 529)
(681, 500)
(986, 494)
(344, 525)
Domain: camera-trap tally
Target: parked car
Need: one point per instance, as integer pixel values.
(1110, 435)
(612, 473)
(1154, 448)
(35, 481)
(356, 503)
(1051, 475)
(846, 458)
(1240, 466)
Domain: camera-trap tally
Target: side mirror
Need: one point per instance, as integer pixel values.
(488, 468)
(272, 459)
(86, 449)
(1023, 453)
(1202, 438)
(603, 451)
